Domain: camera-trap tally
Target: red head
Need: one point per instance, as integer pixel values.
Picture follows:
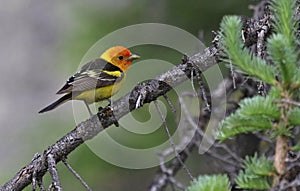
(119, 56)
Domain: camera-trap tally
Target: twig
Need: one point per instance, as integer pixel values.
(202, 89)
(176, 183)
(41, 186)
(192, 83)
(264, 138)
(259, 9)
(76, 175)
(161, 180)
(201, 133)
(291, 102)
(34, 181)
(169, 103)
(232, 74)
(222, 158)
(169, 172)
(260, 46)
(53, 172)
(171, 141)
(185, 139)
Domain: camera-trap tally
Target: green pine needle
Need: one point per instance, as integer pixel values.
(255, 114)
(257, 173)
(274, 93)
(284, 55)
(294, 116)
(296, 148)
(259, 166)
(282, 47)
(237, 124)
(283, 21)
(259, 105)
(210, 183)
(246, 180)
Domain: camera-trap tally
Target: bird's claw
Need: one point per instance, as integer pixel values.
(107, 112)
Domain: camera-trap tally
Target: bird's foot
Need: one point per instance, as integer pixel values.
(107, 113)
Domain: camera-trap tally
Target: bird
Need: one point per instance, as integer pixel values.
(97, 80)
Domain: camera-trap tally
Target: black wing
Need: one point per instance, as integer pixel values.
(94, 74)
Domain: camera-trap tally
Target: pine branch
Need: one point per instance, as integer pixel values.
(207, 183)
(256, 174)
(231, 37)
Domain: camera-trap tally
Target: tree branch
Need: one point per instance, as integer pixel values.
(144, 92)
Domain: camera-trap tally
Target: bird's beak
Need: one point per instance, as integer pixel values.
(133, 57)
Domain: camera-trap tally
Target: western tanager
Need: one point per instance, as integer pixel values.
(97, 80)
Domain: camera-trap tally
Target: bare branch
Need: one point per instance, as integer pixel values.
(169, 103)
(76, 175)
(53, 172)
(40, 183)
(172, 142)
(162, 178)
(291, 102)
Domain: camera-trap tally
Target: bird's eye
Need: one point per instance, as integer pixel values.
(121, 57)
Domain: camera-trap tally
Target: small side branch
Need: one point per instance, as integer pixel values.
(162, 178)
(54, 174)
(76, 175)
(172, 142)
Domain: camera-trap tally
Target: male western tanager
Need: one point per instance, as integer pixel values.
(97, 80)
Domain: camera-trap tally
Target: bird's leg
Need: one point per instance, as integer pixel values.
(109, 101)
(89, 109)
(107, 113)
(109, 104)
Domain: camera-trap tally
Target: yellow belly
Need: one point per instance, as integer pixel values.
(99, 94)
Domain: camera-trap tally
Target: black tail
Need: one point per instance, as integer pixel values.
(57, 103)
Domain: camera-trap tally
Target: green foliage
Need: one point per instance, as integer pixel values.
(247, 180)
(259, 166)
(256, 173)
(255, 114)
(282, 46)
(283, 21)
(294, 116)
(231, 28)
(274, 93)
(282, 73)
(237, 124)
(281, 131)
(259, 105)
(210, 183)
(284, 55)
(259, 113)
(296, 148)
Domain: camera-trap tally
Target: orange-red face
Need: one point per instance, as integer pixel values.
(119, 56)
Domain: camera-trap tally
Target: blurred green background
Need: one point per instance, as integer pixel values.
(43, 42)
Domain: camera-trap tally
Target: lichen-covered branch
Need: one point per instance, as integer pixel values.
(144, 92)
